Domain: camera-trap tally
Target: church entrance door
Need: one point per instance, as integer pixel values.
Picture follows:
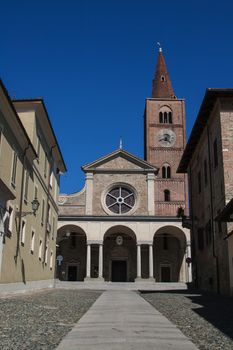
(165, 274)
(72, 273)
(119, 271)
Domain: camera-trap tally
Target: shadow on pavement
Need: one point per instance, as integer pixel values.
(216, 309)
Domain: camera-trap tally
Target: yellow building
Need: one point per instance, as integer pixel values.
(30, 167)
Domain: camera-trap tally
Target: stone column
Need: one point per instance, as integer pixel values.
(139, 274)
(100, 261)
(88, 273)
(189, 265)
(151, 262)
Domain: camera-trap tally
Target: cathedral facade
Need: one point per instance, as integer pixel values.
(122, 227)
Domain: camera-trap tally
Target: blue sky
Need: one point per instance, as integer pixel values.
(93, 63)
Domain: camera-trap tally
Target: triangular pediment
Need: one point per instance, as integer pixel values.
(120, 160)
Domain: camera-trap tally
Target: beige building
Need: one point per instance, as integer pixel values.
(30, 166)
(208, 161)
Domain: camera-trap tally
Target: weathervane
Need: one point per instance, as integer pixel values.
(159, 45)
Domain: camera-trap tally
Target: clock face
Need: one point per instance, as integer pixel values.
(166, 138)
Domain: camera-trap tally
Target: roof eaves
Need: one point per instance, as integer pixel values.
(17, 117)
(207, 105)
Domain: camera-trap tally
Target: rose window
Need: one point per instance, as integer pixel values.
(120, 200)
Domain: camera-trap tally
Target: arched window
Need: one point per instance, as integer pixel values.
(166, 171)
(161, 117)
(170, 117)
(163, 78)
(165, 115)
(167, 196)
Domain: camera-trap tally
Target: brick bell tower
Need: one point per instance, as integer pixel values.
(164, 141)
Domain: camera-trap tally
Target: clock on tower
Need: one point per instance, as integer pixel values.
(164, 123)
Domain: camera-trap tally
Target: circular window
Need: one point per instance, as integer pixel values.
(120, 200)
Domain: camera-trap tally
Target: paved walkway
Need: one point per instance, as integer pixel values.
(122, 320)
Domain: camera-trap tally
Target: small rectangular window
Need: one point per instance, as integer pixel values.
(205, 172)
(51, 260)
(215, 149)
(49, 219)
(40, 249)
(32, 241)
(14, 169)
(23, 232)
(46, 255)
(199, 181)
(11, 218)
(26, 182)
(42, 212)
(51, 180)
(35, 191)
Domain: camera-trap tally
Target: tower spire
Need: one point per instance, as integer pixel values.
(162, 86)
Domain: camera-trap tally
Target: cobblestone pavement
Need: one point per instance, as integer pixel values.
(206, 319)
(40, 320)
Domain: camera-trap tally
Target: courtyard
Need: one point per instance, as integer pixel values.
(41, 320)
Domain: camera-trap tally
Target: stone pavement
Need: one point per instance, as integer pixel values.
(122, 320)
(102, 285)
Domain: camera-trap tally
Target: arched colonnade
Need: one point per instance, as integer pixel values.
(123, 252)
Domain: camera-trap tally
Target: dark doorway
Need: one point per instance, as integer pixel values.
(119, 271)
(72, 273)
(165, 274)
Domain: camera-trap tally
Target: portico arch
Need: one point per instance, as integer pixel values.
(71, 245)
(169, 246)
(120, 254)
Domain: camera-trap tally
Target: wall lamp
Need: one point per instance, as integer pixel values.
(186, 221)
(35, 206)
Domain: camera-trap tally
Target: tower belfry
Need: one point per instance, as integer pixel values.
(164, 123)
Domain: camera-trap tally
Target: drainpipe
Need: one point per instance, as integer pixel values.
(192, 236)
(18, 228)
(47, 206)
(212, 212)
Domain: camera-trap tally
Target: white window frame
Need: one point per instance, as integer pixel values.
(42, 211)
(35, 191)
(49, 218)
(38, 147)
(33, 234)
(40, 249)
(46, 255)
(26, 185)
(51, 260)
(14, 168)
(23, 231)
(51, 180)
(11, 217)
